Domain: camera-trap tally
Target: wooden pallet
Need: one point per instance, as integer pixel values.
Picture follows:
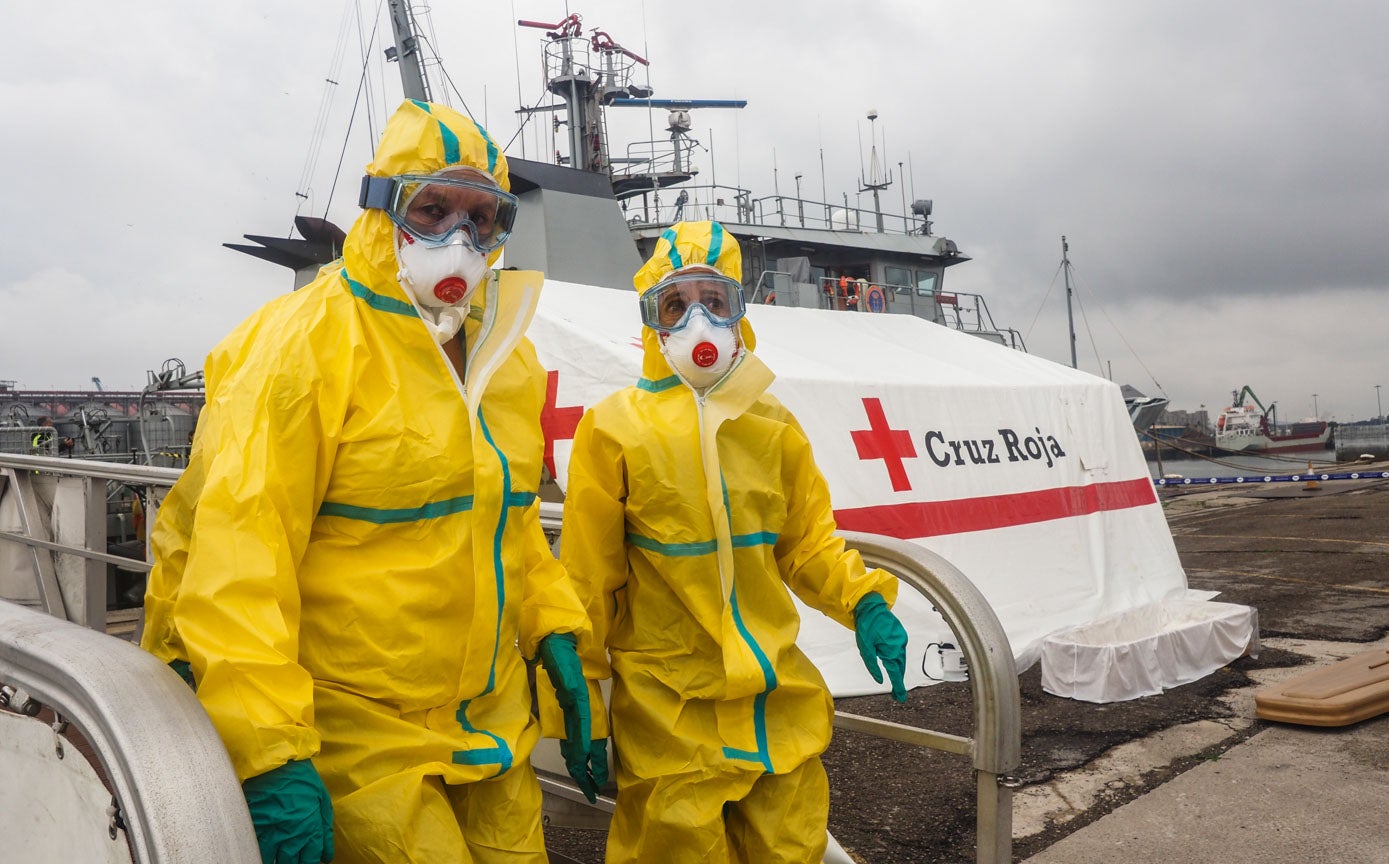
(1355, 689)
(121, 623)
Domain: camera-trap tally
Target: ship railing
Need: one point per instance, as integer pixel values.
(957, 310)
(995, 746)
(796, 212)
(20, 438)
(54, 531)
(657, 156)
(112, 440)
(736, 205)
(575, 57)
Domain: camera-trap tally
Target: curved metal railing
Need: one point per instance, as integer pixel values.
(995, 748)
(171, 778)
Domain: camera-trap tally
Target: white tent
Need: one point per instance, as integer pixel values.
(1025, 474)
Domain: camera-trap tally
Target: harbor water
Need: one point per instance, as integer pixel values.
(1237, 465)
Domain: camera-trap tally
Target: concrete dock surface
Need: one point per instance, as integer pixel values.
(1315, 562)
(1286, 795)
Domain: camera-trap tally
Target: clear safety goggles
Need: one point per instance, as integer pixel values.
(434, 207)
(668, 305)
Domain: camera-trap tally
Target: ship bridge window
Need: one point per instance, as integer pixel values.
(899, 278)
(925, 283)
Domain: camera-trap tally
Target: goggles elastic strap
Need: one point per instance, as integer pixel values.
(377, 193)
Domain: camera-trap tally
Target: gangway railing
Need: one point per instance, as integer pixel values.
(62, 522)
(995, 747)
(174, 797)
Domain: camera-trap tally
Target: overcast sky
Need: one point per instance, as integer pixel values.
(1221, 169)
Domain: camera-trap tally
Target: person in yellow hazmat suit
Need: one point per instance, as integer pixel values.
(693, 504)
(351, 569)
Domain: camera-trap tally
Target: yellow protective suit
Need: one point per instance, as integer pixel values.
(685, 521)
(353, 561)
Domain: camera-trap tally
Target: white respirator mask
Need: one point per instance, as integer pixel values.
(440, 279)
(701, 353)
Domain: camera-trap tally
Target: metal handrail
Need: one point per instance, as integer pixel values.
(997, 741)
(134, 475)
(148, 477)
(734, 204)
(995, 747)
(172, 779)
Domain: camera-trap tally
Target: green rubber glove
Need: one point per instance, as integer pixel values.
(292, 814)
(566, 673)
(881, 637)
(598, 761)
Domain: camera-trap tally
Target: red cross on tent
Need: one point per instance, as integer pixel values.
(879, 441)
(557, 423)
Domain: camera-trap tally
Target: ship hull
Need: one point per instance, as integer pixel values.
(1277, 444)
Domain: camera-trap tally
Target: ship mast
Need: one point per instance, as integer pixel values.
(407, 53)
(593, 73)
(588, 73)
(877, 179)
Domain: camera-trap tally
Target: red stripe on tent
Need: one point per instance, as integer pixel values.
(934, 518)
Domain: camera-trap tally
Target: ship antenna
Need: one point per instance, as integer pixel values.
(1070, 316)
(877, 180)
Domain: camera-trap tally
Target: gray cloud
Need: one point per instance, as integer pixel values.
(1218, 168)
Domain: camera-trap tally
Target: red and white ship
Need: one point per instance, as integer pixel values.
(1254, 429)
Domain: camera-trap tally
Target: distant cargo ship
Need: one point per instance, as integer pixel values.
(1254, 429)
